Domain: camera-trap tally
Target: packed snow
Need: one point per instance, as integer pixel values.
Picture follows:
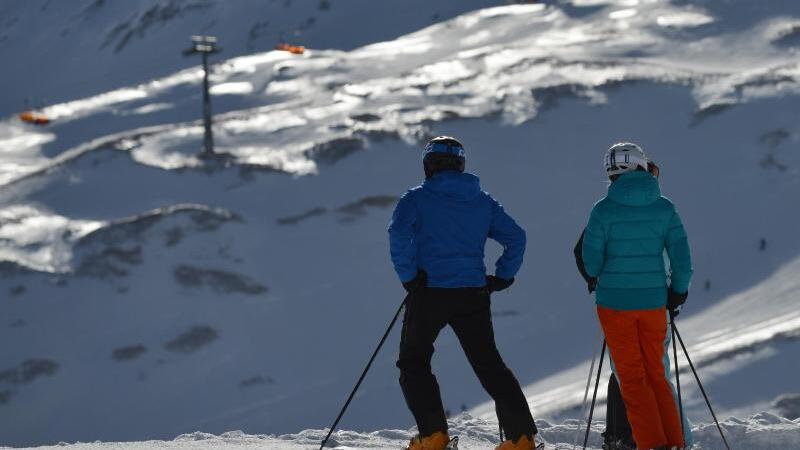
(762, 431)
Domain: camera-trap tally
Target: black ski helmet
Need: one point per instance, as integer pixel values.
(443, 153)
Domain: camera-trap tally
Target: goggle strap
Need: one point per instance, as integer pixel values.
(440, 147)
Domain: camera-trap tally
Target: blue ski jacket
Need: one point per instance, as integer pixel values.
(441, 227)
(624, 242)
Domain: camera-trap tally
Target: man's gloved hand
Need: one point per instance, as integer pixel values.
(417, 283)
(592, 284)
(674, 302)
(494, 284)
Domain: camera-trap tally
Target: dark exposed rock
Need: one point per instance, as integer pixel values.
(110, 261)
(774, 138)
(29, 370)
(378, 135)
(292, 220)
(35, 368)
(770, 162)
(194, 339)
(218, 280)
(347, 213)
(113, 250)
(365, 117)
(133, 228)
(358, 208)
(128, 353)
(5, 396)
(132, 256)
(335, 150)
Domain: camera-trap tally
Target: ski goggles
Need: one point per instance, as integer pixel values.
(614, 160)
(443, 147)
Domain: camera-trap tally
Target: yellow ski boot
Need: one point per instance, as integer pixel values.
(436, 441)
(523, 443)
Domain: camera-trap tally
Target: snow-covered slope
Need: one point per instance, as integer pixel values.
(762, 431)
(59, 50)
(753, 332)
(151, 293)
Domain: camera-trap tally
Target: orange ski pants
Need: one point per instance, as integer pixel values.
(636, 342)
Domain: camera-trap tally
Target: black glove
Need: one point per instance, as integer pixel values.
(674, 302)
(494, 284)
(417, 283)
(591, 284)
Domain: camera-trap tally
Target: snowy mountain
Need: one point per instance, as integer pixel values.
(152, 293)
(66, 50)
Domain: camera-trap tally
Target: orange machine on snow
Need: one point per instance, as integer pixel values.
(295, 49)
(34, 118)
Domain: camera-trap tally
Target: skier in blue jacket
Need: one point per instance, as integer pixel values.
(437, 238)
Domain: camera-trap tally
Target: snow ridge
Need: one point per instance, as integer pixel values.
(762, 431)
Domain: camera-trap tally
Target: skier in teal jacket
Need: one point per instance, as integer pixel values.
(624, 242)
(623, 246)
(618, 434)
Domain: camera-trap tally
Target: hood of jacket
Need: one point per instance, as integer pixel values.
(453, 185)
(634, 189)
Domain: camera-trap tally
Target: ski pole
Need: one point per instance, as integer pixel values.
(677, 373)
(594, 396)
(364, 373)
(705, 396)
(586, 392)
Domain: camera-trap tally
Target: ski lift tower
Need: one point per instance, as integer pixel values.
(205, 45)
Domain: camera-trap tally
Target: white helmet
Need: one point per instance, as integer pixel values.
(624, 157)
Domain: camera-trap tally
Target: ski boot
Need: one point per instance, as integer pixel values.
(523, 443)
(437, 441)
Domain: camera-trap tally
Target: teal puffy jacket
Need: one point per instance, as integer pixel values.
(624, 243)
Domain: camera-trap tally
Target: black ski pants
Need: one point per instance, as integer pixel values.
(617, 425)
(467, 311)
